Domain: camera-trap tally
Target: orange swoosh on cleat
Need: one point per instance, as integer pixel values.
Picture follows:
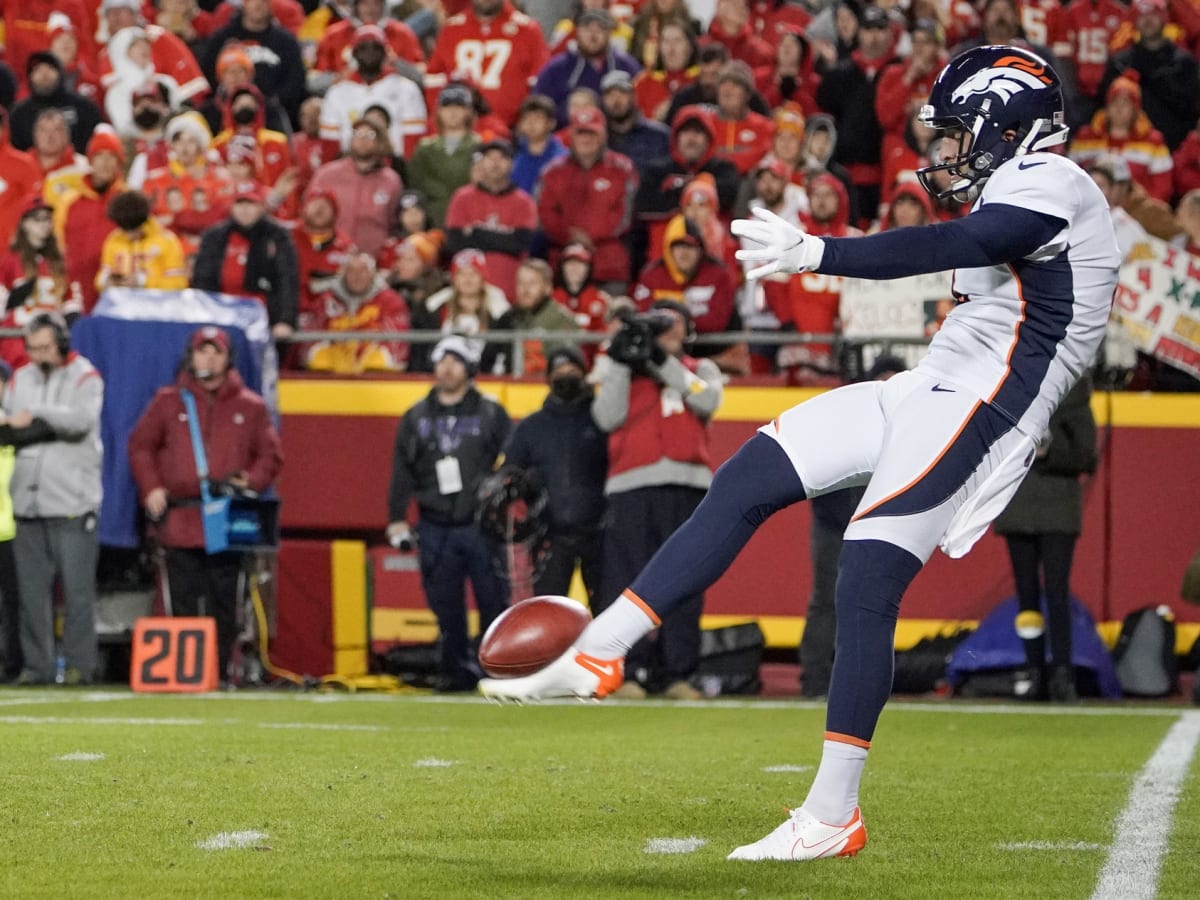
(853, 837)
(610, 671)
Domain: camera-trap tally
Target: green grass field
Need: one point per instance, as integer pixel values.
(108, 794)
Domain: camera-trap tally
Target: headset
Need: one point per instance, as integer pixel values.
(57, 324)
(185, 361)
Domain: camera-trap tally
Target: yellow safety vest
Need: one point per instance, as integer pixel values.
(8, 525)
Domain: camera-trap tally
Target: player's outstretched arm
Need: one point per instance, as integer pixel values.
(993, 234)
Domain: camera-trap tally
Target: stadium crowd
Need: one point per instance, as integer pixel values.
(384, 166)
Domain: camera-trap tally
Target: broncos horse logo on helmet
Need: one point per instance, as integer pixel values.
(998, 102)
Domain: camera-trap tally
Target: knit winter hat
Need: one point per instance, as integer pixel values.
(104, 140)
(233, 56)
(469, 258)
(426, 249)
(1128, 85)
(457, 345)
(790, 117)
(190, 122)
(567, 353)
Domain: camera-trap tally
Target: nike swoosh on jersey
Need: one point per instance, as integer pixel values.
(937, 388)
(1029, 165)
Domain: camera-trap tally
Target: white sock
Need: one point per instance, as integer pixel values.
(834, 792)
(612, 633)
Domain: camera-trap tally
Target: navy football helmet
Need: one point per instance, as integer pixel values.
(980, 97)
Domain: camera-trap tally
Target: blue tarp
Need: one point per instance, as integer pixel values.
(137, 339)
(995, 645)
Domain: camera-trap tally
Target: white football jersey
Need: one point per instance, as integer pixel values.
(346, 101)
(1023, 333)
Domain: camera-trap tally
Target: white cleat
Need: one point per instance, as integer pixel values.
(573, 674)
(803, 837)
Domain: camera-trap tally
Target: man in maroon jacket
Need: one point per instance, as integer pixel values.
(243, 450)
(586, 197)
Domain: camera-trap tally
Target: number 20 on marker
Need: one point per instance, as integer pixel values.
(174, 655)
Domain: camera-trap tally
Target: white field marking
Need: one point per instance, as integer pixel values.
(1131, 870)
(434, 763)
(296, 726)
(232, 840)
(932, 706)
(787, 768)
(674, 845)
(322, 726)
(31, 701)
(95, 720)
(80, 756)
(1050, 845)
(1099, 708)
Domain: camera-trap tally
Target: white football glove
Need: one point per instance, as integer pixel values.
(786, 248)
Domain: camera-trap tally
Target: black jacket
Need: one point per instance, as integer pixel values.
(278, 62)
(472, 431)
(272, 267)
(1170, 82)
(847, 93)
(82, 116)
(570, 454)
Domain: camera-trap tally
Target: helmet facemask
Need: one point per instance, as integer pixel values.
(976, 157)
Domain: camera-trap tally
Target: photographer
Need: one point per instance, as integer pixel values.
(655, 402)
(243, 454)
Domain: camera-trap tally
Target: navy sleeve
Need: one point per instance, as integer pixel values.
(995, 233)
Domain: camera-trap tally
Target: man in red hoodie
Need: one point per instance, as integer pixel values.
(246, 116)
(81, 220)
(321, 249)
(587, 197)
(243, 450)
(688, 275)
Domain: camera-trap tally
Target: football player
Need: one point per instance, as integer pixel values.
(940, 448)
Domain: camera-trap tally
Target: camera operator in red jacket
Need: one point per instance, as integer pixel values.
(243, 452)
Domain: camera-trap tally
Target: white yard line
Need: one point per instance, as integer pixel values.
(1137, 709)
(668, 845)
(1056, 846)
(38, 700)
(96, 720)
(232, 840)
(1131, 871)
(323, 726)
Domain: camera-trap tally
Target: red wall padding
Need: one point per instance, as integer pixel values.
(338, 468)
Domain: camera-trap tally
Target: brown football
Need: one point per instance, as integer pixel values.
(530, 635)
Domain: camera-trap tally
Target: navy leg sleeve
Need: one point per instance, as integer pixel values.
(748, 489)
(872, 577)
